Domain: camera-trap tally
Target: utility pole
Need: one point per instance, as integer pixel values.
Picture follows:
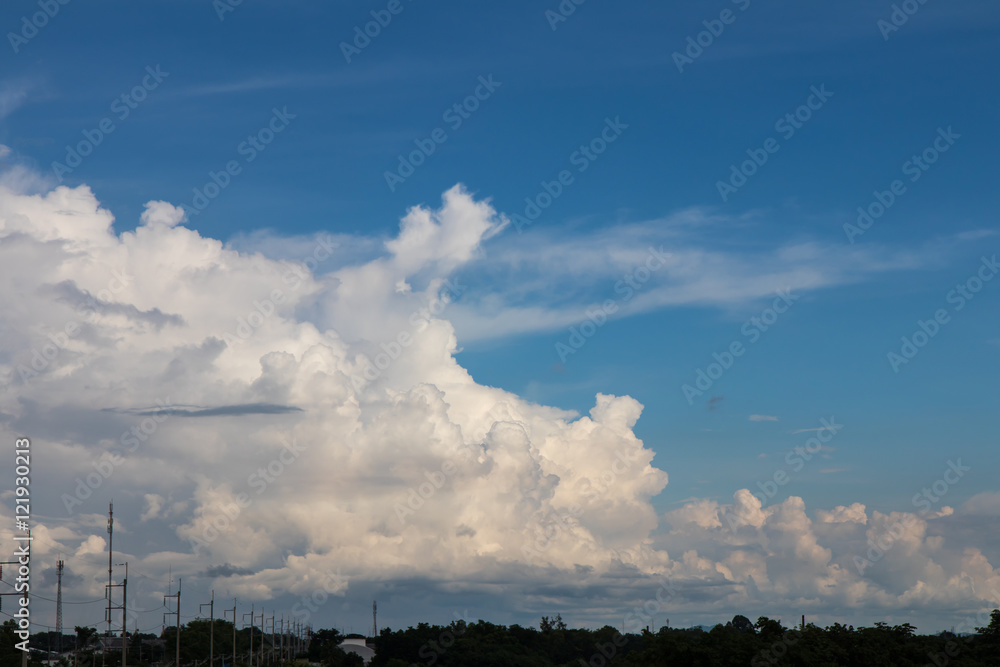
(374, 619)
(260, 658)
(224, 612)
(178, 614)
(211, 628)
(281, 640)
(111, 531)
(59, 622)
(270, 651)
(124, 620)
(263, 636)
(251, 633)
(178, 622)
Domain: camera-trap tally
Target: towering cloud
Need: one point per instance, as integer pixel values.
(296, 424)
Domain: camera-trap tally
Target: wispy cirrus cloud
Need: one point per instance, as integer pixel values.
(809, 430)
(548, 283)
(13, 95)
(255, 84)
(351, 76)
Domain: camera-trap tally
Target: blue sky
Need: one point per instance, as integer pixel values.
(557, 86)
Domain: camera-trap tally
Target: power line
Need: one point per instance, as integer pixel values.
(148, 611)
(82, 625)
(42, 597)
(50, 627)
(65, 602)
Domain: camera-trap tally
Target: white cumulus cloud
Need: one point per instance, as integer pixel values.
(256, 416)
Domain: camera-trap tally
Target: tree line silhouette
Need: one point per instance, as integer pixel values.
(738, 642)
